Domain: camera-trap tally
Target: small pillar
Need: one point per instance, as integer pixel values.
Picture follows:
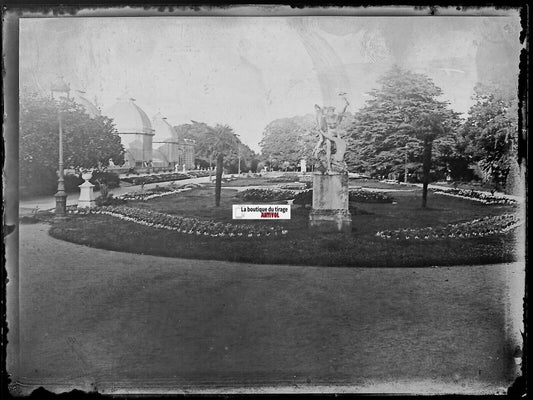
(86, 193)
(303, 166)
(330, 211)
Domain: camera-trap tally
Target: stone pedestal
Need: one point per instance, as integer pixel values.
(330, 203)
(86, 193)
(303, 166)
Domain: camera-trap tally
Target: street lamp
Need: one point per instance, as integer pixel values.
(239, 148)
(59, 87)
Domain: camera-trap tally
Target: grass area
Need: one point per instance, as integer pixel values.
(302, 246)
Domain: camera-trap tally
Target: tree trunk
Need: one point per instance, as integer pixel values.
(210, 167)
(218, 182)
(426, 167)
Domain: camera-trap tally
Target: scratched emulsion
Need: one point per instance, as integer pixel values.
(99, 320)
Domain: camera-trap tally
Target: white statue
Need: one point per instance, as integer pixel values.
(328, 124)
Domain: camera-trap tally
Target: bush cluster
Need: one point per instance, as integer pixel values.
(44, 182)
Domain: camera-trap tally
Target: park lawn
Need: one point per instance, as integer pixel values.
(302, 246)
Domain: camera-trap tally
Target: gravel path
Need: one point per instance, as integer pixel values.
(117, 323)
(48, 202)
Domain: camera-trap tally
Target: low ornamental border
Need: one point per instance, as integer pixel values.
(143, 196)
(267, 194)
(475, 196)
(480, 227)
(191, 226)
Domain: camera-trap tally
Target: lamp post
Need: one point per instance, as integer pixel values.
(405, 171)
(239, 149)
(58, 88)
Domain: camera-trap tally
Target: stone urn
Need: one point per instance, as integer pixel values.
(86, 199)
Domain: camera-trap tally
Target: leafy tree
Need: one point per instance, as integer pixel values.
(489, 133)
(223, 142)
(87, 142)
(399, 124)
(202, 134)
(289, 140)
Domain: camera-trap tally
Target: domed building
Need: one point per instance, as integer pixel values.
(135, 130)
(90, 108)
(170, 150)
(166, 151)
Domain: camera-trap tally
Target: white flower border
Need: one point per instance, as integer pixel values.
(192, 231)
(411, 234)
(493, 200)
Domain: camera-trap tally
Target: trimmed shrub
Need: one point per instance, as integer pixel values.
(72, 182)
(109, 201)
(111, 179)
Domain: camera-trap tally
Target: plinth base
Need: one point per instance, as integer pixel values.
(331, 220)
(86, 199)
(330, 203)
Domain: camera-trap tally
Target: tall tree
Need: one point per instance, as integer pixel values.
(490, 133)
(289, 140)
(87, 142)
(399, 124)
(201, 133)
(223, 142)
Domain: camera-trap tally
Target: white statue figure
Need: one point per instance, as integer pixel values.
(328, 123)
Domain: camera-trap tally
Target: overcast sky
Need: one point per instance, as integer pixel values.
(246, 72)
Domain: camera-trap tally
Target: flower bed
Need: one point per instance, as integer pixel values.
(358, 196)
(294, 186)
(151, 193)
(139, 180)
(287, 177)
(199, 174)
(191, 226)
(477, 228)
(303, 198)
(266, 195)
(481, 197)
(366, 196)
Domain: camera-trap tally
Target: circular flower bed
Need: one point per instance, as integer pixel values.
(139, 180)
(366, 196)
(477, 228)
(266, 195)
(358, 196)
(191, 226)
(151, 193)
(481, 197)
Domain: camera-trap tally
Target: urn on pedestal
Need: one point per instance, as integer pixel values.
(86, 199)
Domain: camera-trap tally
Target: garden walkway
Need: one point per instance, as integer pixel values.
(117, 323)
(48, 202)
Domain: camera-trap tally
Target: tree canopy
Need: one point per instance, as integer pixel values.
(288, 140)
(87, 142)
(396, 120)
(208, 143)
(490, 132)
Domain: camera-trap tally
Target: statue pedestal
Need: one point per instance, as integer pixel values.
(86, 193)
(330, 203)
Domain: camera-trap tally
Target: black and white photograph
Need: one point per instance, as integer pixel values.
(265, 199)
